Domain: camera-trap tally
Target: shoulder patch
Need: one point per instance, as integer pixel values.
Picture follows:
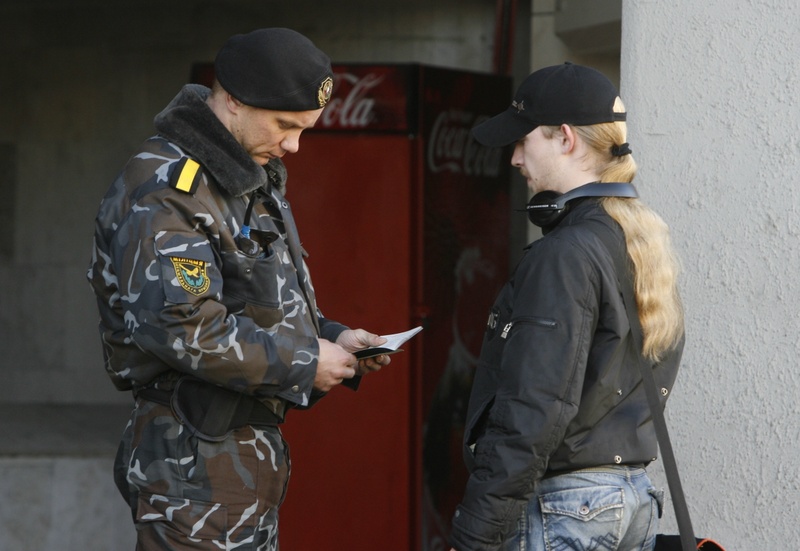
(186, 175)
(192, 275)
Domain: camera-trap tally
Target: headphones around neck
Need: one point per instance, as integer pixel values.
(548, 207)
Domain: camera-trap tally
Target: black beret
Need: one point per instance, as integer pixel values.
(277, 69)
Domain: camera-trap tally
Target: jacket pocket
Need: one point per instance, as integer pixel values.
(475, 428)
(251, 286)
(542, 323)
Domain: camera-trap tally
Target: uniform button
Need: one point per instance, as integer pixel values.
(458, 513)
(619, 392)
(617, 459)
(664, 391)
(295, 388)
(584, 510)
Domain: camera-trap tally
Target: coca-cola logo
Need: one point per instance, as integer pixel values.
(355, 109)
(451, 148)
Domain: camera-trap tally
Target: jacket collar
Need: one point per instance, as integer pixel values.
(191, 124)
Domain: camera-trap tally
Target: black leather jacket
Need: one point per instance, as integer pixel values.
(557, 386)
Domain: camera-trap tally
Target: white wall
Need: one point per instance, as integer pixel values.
(712, 92)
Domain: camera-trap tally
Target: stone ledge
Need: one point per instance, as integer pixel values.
(61, 429)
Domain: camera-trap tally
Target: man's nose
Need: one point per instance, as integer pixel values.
(516, 157)
(291, 144)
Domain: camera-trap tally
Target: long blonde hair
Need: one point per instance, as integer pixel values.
(656, 265)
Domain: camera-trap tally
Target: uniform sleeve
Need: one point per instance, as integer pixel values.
(166, 254)
(539, 387)
(329, 329)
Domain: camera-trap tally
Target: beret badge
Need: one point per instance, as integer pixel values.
(324, 92)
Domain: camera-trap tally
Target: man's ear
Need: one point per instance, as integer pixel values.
(233, 104)
(568, 138)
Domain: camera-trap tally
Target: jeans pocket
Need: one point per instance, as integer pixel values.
(658, 496)
(583, 518)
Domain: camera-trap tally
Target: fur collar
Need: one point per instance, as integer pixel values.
(189, 123)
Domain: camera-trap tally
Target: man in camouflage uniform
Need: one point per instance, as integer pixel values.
(207, 311)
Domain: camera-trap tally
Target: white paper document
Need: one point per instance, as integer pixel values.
(391, 346)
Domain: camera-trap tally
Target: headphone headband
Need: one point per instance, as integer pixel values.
(546, 208)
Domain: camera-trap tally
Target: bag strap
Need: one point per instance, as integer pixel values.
(625, 278)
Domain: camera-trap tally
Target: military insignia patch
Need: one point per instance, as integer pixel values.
(186, 175)
(324, 92)
(191, 275)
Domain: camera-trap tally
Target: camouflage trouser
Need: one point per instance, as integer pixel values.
(187, 493)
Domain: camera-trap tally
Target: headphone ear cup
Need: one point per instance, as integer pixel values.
(548, 207)
(544, 210)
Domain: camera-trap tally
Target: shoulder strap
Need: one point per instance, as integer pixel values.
(186, 175)
(625, 278)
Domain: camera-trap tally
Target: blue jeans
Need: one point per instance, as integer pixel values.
(611, 508)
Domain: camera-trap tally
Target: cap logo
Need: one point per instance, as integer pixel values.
(519, 106)
(324, 92)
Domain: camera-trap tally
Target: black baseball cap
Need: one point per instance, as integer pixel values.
(275, 68)
(552, 96)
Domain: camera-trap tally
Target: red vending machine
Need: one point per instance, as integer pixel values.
(406, 221)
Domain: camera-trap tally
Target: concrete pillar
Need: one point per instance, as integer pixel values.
(711, 90)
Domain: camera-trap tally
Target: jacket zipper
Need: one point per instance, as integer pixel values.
(537, 321)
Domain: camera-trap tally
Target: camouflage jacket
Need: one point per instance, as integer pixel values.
(177, 293)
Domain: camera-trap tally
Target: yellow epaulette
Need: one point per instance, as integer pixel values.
(186, 175)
